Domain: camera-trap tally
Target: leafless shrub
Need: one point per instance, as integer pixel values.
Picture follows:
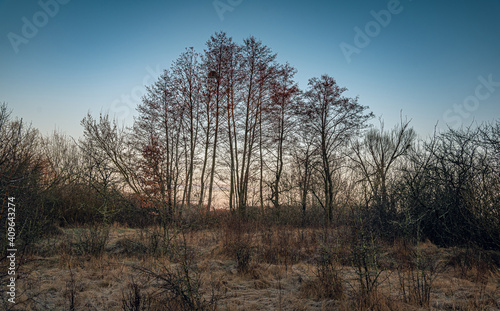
(156, 241)
(71, 289)
(180, 287)
(237, 241)
(365, 255)
(327, 283)
(90, 242)
(417, 271)
(135, 299)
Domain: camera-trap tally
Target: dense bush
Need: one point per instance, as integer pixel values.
(450, 190)
(21, 183)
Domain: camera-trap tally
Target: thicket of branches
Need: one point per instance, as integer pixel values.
(230, 128)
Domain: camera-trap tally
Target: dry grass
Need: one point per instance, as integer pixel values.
(243, 267)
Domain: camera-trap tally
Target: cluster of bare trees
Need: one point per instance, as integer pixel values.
(230, 128)
(53, 180)
(232, 121)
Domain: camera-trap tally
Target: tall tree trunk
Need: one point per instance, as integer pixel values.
(261, 162)
(205, 158)
(212, 172)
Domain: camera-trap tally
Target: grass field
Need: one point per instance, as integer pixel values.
(247, 266)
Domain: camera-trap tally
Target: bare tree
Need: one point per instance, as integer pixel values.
(19, 156)
(257, 74)
(97, 173)
(376, 155)
(284, 98)
(334, 119)
(21, 175)
(62, 157)
(206, 117)
(187, 86)
(114, 142)
(218, 61)
(304, 154)
(157, 136)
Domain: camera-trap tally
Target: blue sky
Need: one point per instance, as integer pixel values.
(432, 60)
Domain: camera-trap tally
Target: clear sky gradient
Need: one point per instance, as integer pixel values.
(436, 61)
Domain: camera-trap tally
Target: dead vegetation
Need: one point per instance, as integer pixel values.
(250, 266)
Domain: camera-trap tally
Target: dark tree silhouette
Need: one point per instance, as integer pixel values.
(334, 119)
